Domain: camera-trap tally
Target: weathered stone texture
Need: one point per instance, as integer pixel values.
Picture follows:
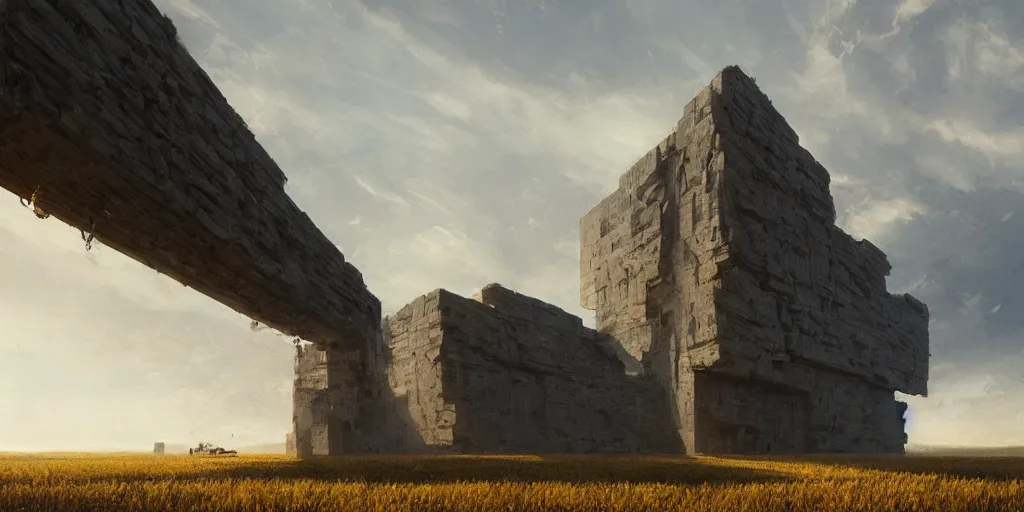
(732, 315)
(649, 255)
(718, 265)
(414, 335)
(508, 373)
(342, 403)
(110, 126)
(310, 402)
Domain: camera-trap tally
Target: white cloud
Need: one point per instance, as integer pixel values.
(976, 46)
(383, 195)
(872, 219)
(189, 9)
(449, 106)
(999, 145)
(910, 9)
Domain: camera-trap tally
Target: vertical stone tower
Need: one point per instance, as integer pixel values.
(341, 402)
(310, 402)
(717, 264)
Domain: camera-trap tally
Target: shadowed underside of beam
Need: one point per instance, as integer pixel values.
(108, 124)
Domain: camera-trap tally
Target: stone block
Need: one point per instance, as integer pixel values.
(772, 299)
(113, 128)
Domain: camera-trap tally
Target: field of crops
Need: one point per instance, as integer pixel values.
(126, 482)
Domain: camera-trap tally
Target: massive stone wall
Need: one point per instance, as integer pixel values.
(414, 335)
(112, 127)
(732, 315)
(718, 265)
(341, 403)
(507, 373)
(647, 269)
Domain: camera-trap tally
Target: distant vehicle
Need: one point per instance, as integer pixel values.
(210, 449)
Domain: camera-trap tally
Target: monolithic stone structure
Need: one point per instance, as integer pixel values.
(752, 323)
(342, 404)
(309, 401)
(497, 373)
(717, 263)
(503, 372)
(110, 126)
(748, 321)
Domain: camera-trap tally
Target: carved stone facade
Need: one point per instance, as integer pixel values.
(497, 373)
(503, 372)
(733, 316)
(718, 264)
(310, 402)
(341, 403)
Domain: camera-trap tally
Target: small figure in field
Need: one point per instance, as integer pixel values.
(209, 449)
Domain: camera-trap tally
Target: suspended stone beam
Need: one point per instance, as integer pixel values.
(108, 124)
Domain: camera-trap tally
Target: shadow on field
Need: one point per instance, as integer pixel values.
(427, 469)
(989, 468)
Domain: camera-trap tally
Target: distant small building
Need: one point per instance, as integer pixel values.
(158, 448)
(289, 443)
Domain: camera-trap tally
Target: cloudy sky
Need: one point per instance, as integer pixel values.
(458, 144)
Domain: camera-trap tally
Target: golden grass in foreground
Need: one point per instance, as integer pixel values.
(472, 483)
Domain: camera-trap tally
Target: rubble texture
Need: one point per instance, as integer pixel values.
(718, 265)
(112, 127)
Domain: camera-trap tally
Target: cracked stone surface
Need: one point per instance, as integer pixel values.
(717, 263)
(497, 373)
(503, 372)
(111, 126)
(341, 403)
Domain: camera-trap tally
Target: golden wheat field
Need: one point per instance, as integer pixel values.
(133, 482)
